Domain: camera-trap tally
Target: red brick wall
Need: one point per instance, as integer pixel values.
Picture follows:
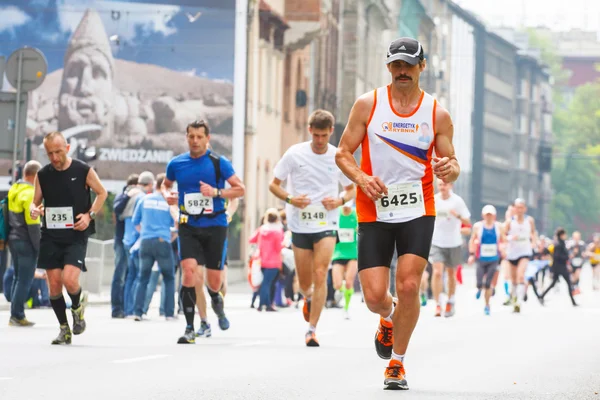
(302, 10)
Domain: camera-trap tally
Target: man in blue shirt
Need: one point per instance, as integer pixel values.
(144, 186)
(201, 177)
(153, 215)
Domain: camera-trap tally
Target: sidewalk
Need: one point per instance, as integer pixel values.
(236, 285)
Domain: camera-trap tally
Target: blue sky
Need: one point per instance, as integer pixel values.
(159, 33)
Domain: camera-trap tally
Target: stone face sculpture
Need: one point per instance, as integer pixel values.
(87, 92)
(130, 112)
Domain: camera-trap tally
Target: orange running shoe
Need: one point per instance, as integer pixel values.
(306, 309)
(449, 310)
(311, 339)
(384, 339)
(394, 376)
(438, 311)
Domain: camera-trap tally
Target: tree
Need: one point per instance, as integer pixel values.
(576, 130)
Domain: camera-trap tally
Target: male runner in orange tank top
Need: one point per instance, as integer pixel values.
(395, 205)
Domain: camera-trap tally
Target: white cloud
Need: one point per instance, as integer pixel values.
(11, 18)
(120, 18)
(191, 72)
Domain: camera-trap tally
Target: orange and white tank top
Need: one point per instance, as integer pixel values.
(398, 149)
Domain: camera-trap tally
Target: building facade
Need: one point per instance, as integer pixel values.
(264, 114)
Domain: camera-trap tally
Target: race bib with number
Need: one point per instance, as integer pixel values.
(195, 202)
(313, 217)
(59, 217)
(577, 261)
(488, 250)
(403, 200)
(346, 235)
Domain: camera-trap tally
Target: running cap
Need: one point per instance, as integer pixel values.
(146, 178)
(488, 209)
(520, 201)
(405, 49)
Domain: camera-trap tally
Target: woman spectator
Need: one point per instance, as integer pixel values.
(269, 238)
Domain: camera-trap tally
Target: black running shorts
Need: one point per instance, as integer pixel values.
(205, 245)
(377, 240)
(55, 254)
(307, 241)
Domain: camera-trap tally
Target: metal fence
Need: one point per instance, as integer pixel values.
(100, 264)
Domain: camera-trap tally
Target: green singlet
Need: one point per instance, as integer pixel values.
(347, 248)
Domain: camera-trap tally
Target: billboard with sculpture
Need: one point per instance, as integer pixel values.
(126, 77)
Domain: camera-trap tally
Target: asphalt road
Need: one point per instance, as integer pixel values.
(550, 352)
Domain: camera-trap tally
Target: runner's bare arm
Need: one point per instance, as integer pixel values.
(36, 208)
(37, 193)
(353, 135)
(236, 190)
(349, 193)
(167, 184)
(166, 190)
(534, 234)
(473, 238)
(279, 192)
(446, 165)
(94, 183)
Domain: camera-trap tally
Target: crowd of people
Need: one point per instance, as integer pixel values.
(380, 220)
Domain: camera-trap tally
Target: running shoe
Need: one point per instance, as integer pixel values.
(384, 339)
(395, 376)
(64, 336)
(20, 322)
(189, 337)
(218, 307)
(78, 321)
(306, 310)
(311, 339)
(204, 330)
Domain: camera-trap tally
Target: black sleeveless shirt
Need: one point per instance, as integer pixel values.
(66, 189)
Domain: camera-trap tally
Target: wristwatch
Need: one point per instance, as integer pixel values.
(219, 192)
(288, 199)
(92, 215)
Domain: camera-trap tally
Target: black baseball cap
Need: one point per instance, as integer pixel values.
(405, 49)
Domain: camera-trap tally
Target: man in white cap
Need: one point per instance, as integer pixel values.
(485, 239)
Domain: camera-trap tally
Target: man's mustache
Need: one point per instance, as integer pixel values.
(403, 77)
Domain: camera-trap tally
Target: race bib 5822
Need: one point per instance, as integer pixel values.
(195, 202)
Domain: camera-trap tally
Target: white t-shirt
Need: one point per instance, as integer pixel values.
(317, 176)
(447, 227)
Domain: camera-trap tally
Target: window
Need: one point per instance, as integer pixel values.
(533, 163)
(522, 161)
(498, 105)
(523, 89)
(523, 124)
(268, 77)
(531, 200)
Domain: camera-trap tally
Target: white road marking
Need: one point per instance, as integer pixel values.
(138, 359)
